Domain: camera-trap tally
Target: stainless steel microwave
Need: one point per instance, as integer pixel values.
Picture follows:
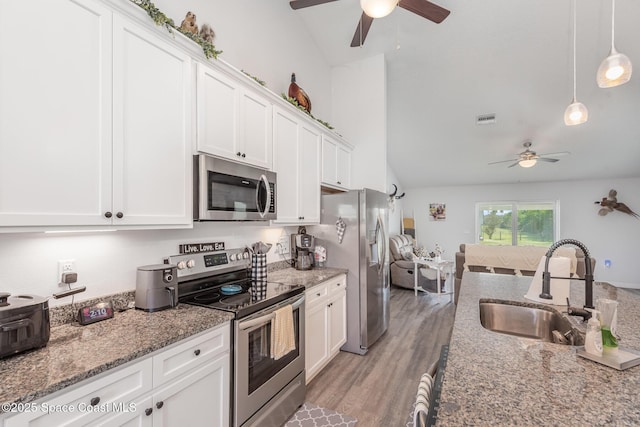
(228, 191)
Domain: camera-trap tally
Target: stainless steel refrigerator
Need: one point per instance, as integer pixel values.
(364, 251)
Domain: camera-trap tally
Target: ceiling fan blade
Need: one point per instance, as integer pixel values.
(426, 9)
(301, 4)
(513, 164)
(362, 30)
(547, 159)
(561, 153)
(503, 161)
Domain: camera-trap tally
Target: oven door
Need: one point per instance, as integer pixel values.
(229, 191)
(258, 377)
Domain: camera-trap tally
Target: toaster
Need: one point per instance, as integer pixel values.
(156, 287)
(24, 323)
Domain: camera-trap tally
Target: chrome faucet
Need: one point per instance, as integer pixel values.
(588, 277)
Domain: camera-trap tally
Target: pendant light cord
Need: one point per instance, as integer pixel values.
(573, 3)
(613, 14)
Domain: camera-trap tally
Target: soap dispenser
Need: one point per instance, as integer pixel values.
(593, 340)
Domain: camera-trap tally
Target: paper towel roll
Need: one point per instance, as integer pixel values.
(558, 267)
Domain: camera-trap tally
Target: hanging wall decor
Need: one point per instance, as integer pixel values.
(437, 211)
(610, 203)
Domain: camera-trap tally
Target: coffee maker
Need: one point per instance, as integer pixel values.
(302, 245)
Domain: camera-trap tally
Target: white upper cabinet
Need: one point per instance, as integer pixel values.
(94, 120)
(152, 128)
(297, 163)
(234, 121)
(336, 163)
(55, 113)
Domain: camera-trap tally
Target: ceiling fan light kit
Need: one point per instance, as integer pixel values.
(527, 163)
(576, 113)
(616, 68)
(378, 8)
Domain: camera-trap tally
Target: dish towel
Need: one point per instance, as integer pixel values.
(283, 338)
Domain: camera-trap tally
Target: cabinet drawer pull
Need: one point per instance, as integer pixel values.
(160, 404)
(148, 411)
(197, 352)
(108, 214)
(94, 401)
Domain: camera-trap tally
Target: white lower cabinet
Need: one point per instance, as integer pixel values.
(326, 323)
(193, 391)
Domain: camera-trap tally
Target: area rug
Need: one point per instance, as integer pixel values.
(310, 415)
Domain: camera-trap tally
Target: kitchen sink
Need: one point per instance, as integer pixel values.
(537, 322)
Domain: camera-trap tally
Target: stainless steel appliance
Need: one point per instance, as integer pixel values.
(24, 323)
(364, 252)
(302, 255)
(228, 191)
(156, 287)
(265, 391)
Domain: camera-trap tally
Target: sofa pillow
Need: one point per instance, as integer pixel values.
(420, 252)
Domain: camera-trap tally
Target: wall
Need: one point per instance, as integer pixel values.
(265, 39)
(395, 213)
(615, 236)
(106, 263)
(360, 115)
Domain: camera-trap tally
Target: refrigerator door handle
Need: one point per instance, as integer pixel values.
(382, 245)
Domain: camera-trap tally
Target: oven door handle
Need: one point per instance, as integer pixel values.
(247, 324)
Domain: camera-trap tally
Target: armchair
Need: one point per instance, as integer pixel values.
(402, 254)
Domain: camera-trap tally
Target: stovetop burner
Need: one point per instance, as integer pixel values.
(207, 297)
(235, 301)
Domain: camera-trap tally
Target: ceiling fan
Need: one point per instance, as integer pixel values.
(529, 158)
(424, 8)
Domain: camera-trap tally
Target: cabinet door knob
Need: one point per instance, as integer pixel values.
(244, 155)
(148, 411)
(339, 183)
(119, 214)
(160, 404)
(197, 352)
(108, 214)
(94, 401)
(318, 294)
(238, 154)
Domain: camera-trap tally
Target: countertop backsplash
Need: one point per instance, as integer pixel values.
(68, 313)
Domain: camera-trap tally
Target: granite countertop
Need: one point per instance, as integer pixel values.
(306, 278)
(498, 379)
(75, 352)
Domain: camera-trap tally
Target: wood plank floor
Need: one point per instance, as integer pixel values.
(380, 387)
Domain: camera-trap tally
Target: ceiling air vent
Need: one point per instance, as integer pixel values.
(486, 119)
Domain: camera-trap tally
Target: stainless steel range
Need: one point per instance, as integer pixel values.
(265, 391)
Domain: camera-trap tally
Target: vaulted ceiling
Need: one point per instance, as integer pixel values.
(508, 57)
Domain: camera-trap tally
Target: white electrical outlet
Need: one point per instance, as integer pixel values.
(283, 245)
(66, 266)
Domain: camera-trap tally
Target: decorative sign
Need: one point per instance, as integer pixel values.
(194, 248)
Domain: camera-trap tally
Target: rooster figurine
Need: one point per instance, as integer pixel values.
(299, 95)
(610, 203)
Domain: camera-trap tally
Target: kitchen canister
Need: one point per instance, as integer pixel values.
(258, 276)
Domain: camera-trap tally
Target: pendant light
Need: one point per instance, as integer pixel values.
(615, 69)
(576, 113)
(378, 8)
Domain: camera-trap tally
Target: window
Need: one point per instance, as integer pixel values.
(517, 223)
